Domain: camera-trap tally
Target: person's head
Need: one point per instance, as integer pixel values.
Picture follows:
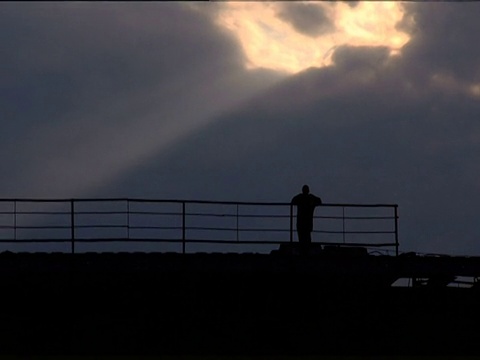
(305, 189)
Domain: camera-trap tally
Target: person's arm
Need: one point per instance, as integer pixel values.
(318, 201)
(294, 200)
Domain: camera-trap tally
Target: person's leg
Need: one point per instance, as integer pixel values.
(301, 236)
(308, 237)
(303, 239)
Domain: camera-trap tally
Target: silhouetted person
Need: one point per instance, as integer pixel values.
(306, 204)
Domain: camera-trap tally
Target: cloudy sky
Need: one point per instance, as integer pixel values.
(367, 102)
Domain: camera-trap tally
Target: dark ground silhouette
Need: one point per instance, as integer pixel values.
(227, 304)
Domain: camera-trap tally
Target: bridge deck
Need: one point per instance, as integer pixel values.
(234, 304)
(326, 264)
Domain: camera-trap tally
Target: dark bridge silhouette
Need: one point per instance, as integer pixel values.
(185, 297)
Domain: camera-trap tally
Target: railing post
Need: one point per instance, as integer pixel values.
(343, 223)
(183, 227)
(128, 219)
(72, 224)
(291, 223)
(15, 219)
(396, 230)
(237, 225)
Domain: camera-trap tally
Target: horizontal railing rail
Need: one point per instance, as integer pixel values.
(185, 222)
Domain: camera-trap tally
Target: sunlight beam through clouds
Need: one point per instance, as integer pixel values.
(271, 38)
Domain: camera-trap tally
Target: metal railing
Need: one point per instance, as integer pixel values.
(192, 222)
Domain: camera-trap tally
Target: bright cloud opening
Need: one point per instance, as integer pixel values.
(270, 39)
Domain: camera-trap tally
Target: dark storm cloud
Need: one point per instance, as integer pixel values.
(89, 88)
(443, 38)
(360, 58)
(58, 55)
(308, 19)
